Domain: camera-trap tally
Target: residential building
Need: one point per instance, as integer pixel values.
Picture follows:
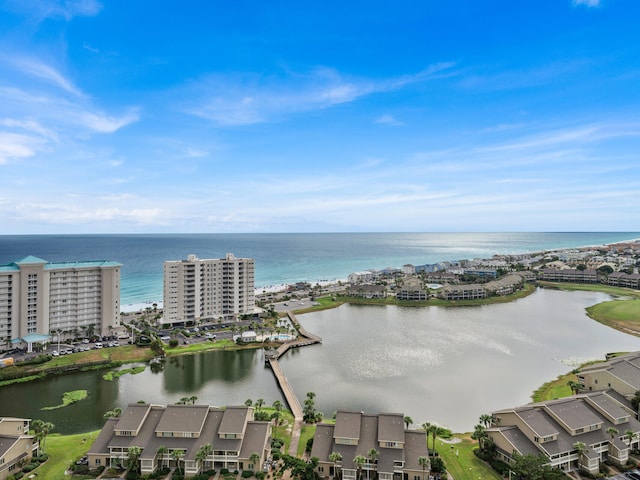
(412, 289)
(367, 291)
(569, 275)
(159, 431)
(38, 298)
(16, 445)
(197, 289)
(621, 374)
(622, 279)
(356, 434)
(463, 292)
(601, 421)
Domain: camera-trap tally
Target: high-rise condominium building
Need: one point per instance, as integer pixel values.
(43, 298)
(197, 289)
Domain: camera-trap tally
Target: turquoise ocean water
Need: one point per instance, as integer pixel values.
(285, 258)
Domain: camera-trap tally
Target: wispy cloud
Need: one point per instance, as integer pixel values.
(588, 3)
(102, 123)
(249, 99)
(34, 68)
(38, 10)
(389, 120)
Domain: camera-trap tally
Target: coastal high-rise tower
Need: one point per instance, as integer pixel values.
(40, 298)
(197, 289)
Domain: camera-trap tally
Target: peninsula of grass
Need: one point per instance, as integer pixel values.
(110, 376)
(555, 389)
(64, 450)
(622, 313)
(461, 462)
(68, 398)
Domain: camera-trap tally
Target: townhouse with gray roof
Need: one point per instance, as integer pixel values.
(621, 374)
(16, 445)
(161, 430)
(357, 433)
(601, 421)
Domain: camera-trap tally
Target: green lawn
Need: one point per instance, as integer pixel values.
(63, 450)
(308, 431)
(464, 465)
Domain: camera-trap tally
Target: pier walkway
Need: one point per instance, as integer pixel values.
(305, 338)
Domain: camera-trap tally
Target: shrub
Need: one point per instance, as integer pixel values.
(260, 475)
(437, 465)
(173, 343)
(132, 475)
(30, 467)
(224, 471)
(309, 445)
(247, 473)
(499, 466)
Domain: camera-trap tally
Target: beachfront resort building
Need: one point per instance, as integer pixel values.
(40, 298)
(193, 438)
(387, 448)
(17, 447)
(621, 373)
(196, 289)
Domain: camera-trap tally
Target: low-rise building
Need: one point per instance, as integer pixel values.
(356, 434)
(621, 374)
(16, 445)
(569, 275)
(412, 289)
(578, 432)
(181, 433)
(367, 291)
(470, 291)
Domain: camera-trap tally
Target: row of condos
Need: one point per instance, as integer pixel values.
(197, 289)
(389, 450)
(16, 445)
(581, 431)
(193, 438)
(38, 298)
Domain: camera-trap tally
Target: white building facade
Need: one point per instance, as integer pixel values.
(206, 289)
(38, 297)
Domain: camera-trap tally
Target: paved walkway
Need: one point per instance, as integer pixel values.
(305, 338)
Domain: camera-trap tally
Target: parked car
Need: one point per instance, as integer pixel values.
(98, 345)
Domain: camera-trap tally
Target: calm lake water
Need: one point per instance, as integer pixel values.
(447, 365)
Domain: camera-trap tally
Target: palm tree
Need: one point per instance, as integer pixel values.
(133, 455)
(479, 434)
(612, 431)
(424, 463)
(193, 399)
(41, 430)
(160, 453)
(359, 460)
(581, 448)
(248, 402)
(259, 403)
(574, 386)
(630, 434)
(487, 419)
(372, 455)
(178, 455)
(115, 413)
(184, 401)
(408, 421)
(203, 452)
(335, 457)
(254, 458)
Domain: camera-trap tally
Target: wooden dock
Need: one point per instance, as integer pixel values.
(304, 339)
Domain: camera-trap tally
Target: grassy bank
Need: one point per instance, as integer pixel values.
(623, 313)
(62, 451)
(461, 462)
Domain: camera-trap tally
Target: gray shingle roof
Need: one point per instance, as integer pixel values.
(183, 418)
(132, 417)
(347, 424)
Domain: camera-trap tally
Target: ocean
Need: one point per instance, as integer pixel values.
(284, 258)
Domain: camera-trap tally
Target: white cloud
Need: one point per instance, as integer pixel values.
(38, 10)
(42, 71)
(388, 120)
(250, 99)
(588, 3)
(102, 123)
(14, 146)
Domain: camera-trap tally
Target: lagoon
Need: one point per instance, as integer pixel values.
(439, 364)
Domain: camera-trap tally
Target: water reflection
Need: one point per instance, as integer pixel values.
(447, 365)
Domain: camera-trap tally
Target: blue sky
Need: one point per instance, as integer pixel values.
(289, 116)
